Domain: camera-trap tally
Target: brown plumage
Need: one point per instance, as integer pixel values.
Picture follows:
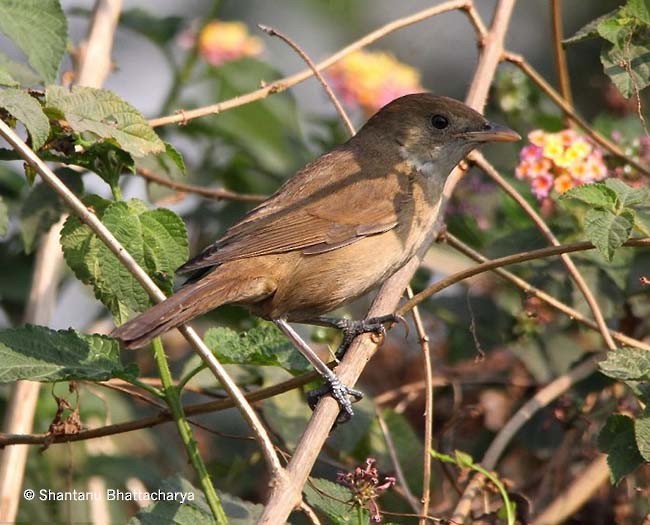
(339, 227)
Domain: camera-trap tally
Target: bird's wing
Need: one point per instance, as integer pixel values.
(329, 204)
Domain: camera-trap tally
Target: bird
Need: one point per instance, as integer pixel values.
(338, 228)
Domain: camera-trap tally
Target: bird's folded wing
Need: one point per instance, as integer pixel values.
(313, 224)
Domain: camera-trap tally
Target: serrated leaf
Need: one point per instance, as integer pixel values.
(176, 157)
(263, 345)
(618, 441)
(615, 30)
(627, 195)
(156, 239)
(105, 115)
(39, 28)
(608, 231)
(627, 363)
(596, 194)
(333, 499)
(628, 65)
(42, 208)
(589, 30)
(4, 218)
(642, 434)
(639, 9)
(27, 110)
(40, 354)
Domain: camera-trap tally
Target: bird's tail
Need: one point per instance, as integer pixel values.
(187, 303)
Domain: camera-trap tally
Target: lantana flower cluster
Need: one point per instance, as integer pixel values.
(366, 486)
(558, 162)
(220, 42)
(372, 79)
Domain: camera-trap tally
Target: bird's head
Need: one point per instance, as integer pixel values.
(433, 133)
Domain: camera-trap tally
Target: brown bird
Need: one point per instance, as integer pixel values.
(338, 228)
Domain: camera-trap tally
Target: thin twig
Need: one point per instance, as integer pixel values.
(505, 261)
(538, 79)
(283, 84)
(546, 232)
(423, 339)
(286, 494)
(211, 193)
(541, 399)
(399, 472)
(162, 417)
(560, 55)
(529, 289)
(337, 105)
(79, 209)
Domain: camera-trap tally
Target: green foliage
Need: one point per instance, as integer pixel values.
(105, 116)
(40, 29)
(160, 30)
(263, 345)
(157, 240)
(617, 439)
(27, 110)
(627, 364)
(627, 31)
(612, 213)
(40, 354)
(4, 218)
(335, 501)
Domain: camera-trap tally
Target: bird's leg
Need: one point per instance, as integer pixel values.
(334, 386)
(352, 328)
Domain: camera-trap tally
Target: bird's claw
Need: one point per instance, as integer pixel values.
(340, 393)
(374, 325)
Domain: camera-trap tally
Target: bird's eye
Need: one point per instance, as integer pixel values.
(439, 121)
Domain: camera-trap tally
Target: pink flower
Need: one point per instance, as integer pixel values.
(541, 185)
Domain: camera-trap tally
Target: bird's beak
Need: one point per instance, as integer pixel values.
(493, 133)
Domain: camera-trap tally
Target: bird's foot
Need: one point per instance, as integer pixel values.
(341, 393)
(374, 325)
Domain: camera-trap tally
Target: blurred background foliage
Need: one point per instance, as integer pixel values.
(492, 345)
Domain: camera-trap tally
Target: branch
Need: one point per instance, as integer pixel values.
(560, 55)
(183, 116)
(286, 493)
(546, 232)
(538, 79)
(529, 289)
(211, 193)
(543, 398)
(149, 286)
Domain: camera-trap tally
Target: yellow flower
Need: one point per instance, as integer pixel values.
(371, 79)
(553, 147)
(221, 42)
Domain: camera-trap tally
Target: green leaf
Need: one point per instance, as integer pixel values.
(628, 66)
(6, 79)
(596, 194)
(463, 459)
(626, 363)
(42, 208)
(618, 441)
(589, 30)
(331, 498)
(40, 354)
(159, 30)
(25, 108)
(639, 9)
(642, 433)
(193, 510)
(263, 345)
(156, 239)
(615, 30)
(176, 157)
(627, 195)
(20, 73)
(106, 116)
(39, 28)
(608, 231)
(4, 218)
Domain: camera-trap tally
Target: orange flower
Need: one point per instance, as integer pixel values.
(221, 42)
(371, 79)
(563, 183)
